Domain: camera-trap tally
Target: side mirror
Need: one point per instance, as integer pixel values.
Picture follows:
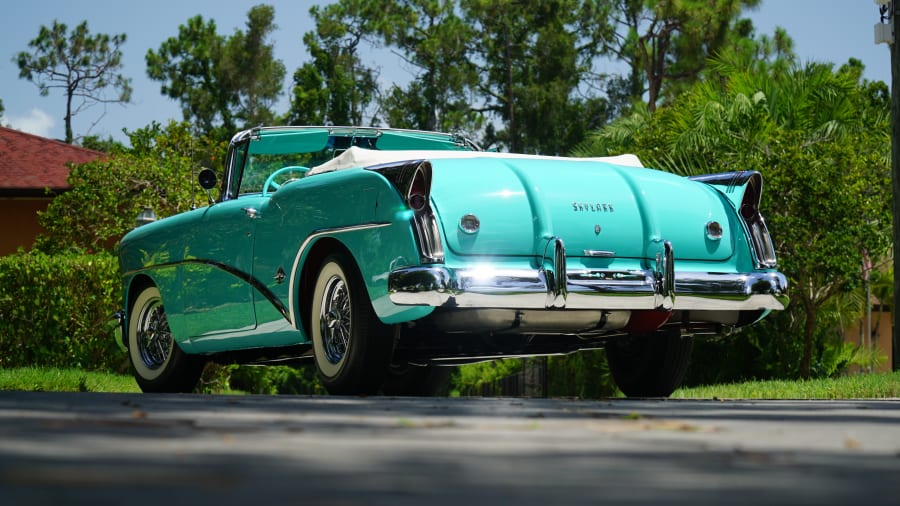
(207, 178)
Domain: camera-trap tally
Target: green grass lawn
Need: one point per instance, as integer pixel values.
(38, 379)
(860, 386)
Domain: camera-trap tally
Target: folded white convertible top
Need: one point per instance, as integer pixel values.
(360, 157)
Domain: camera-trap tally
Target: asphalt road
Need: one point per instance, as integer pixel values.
(133, 449)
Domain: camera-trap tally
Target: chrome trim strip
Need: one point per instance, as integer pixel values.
(303, 246)
(246, 277)
(440, 286)
(431, 249)
(727, 179)
(599, 253)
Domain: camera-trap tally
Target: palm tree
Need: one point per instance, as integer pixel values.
(820, 139)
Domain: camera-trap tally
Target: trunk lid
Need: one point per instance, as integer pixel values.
(597, 208)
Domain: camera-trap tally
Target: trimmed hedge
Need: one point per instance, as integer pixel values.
(55, 311)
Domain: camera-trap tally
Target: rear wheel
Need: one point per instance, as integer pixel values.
(352, 347)
(157, 362)
(415, 380)
(650, 365)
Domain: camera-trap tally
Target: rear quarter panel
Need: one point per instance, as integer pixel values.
(356, 208)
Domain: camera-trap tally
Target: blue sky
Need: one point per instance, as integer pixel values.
(823, 30)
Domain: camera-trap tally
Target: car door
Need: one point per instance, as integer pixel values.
(218, 277)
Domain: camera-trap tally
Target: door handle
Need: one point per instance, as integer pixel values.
(251, 212)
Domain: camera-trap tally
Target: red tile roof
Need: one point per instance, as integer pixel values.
(29, 164)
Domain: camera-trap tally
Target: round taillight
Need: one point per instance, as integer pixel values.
(418, 197)
(714, 230)
(417, 201)
(469, 224)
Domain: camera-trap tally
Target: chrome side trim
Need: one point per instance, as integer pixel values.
(440, 286)
(727, 179)
(302, 249)
(246, 277)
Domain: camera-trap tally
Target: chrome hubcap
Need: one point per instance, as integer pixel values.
(154, 338)
(334, 320)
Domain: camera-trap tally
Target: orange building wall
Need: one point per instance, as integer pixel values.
(19, 222)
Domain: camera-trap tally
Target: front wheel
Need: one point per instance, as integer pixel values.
(650, 365)
(157, 362)
(352, 347)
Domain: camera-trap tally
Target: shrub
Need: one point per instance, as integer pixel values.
(275, 379)
(55, 311)
(483, 378)
(584, 375)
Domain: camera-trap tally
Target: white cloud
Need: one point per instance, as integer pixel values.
(36, 122)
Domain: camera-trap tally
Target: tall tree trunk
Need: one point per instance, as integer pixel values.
(808, 330)
(510, 97)
(69, 135)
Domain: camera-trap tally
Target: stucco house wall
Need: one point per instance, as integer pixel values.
(33, 170)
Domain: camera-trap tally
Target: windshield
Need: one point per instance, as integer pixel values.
(259, 153)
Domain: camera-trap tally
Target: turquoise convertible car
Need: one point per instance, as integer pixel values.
(383, 255)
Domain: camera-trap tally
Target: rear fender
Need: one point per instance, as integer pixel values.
(735, 185)
(412, 179)
(744, 190)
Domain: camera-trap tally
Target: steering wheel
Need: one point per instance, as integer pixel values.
(270, 181)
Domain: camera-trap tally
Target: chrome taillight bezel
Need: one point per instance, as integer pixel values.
(761, 241)
(418, 198)
(417, 195)
(413, 180)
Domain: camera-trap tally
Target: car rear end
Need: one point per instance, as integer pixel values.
(533, 245)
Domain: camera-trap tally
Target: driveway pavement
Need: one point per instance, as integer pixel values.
(133, 449)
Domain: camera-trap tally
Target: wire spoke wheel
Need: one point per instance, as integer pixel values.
(335, 320)
(352, 348)
(154, 337)
(157, 362)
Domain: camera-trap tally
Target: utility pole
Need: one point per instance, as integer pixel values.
(885, 32)
(895, 175)
(891, 14)
(894, 17)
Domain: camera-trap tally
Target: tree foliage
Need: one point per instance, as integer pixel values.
(107, 194)
(186, 65)
(249, 67)
(107, 145)
(335, 88)
(519, 76)
(532, 59)
(435, 43)
(820, 138)
(85, 66)
(666, 43)
(222, 83)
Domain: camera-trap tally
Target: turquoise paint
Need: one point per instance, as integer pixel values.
(219, 269)
(635, 209)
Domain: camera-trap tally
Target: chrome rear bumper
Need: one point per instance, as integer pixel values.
(441, 286)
